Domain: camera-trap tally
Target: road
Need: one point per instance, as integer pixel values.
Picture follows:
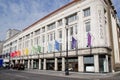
(20, 75)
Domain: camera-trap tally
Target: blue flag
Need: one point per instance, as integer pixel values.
(57, 45)
(74, 43)
(49, 47)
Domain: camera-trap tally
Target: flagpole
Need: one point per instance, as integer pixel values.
(9, 55)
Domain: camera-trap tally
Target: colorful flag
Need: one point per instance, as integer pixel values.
(18, 53)
(26, 51)
(89, 40)
(39, 48)
(15, 54)
(57, 45)
(74, 43)
(49, 47)
(34, 50)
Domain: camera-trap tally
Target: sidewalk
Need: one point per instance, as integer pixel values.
(90, 76)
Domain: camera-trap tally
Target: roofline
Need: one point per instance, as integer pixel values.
(45, 17)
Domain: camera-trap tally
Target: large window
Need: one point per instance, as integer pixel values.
(87, 25)
(51, 26)
(71, 30)
(43, 38)
(36, 40)
(37, 32)
(76, 29)
(28, 36)
(86, 12)
(43, 29)
(51, 37)
(60, 22)
(60, 34)
(72, 18)
(88, 63)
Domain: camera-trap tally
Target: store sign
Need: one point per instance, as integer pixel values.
(90, 68)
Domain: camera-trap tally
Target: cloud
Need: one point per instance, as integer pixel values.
(116, 3)
(19, 14)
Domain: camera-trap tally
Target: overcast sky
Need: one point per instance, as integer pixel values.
(19, 14)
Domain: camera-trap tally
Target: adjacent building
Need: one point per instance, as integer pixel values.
(89, 27)
(11, 32)
(1, 48)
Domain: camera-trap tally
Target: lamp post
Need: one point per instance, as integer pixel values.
(9, 54)
(67, 64)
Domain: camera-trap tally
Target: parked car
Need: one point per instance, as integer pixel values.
(19, 66)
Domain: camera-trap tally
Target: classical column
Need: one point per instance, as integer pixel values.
(28, 64)
(80, 64)
(39, 63)
(56, 64)
(96, 63)
(23, 61)
(107, 65)
(32, 64)
(16, 61)
(44, 64)
(63, 64)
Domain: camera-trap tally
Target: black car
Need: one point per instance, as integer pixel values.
(21, 67)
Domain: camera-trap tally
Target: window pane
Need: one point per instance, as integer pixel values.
(60, 34)
(71, 31)
(88, 59)
(76, 29)
(86, 12)
(87, 25)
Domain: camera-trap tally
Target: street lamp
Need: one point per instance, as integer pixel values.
(9, 54)
(67, 64)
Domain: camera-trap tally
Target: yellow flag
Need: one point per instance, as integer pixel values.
(26, 51)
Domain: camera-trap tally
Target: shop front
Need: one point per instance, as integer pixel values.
(50, 64)
(73, 64)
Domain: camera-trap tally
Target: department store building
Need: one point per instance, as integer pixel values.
(92, 24)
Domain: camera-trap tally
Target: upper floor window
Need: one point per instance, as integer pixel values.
(51, 26)
(43, 38)
(60, 34)
(51, 37)
(20, 39)
(36, 41)
(60, 22)
(76, 29)
(43, 29)
(32, 34)
(86, 12)
(72, 18)
(71, 30)
(87, 25)
(37, 32)
(28, 36)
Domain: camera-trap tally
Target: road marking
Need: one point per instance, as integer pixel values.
(21, 76)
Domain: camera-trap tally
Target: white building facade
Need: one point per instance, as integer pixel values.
(36, 45)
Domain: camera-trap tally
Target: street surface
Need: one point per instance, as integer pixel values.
(52, 75)
(19, 75)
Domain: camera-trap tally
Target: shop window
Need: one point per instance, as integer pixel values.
(89, 63)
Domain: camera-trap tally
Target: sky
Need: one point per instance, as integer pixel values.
(19, 14)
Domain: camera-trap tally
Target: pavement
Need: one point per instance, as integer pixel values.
(89, 76)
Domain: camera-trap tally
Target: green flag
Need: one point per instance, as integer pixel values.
(39, 48)
(34, 49)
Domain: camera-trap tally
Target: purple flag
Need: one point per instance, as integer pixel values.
(74, 43)
(89, 40)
